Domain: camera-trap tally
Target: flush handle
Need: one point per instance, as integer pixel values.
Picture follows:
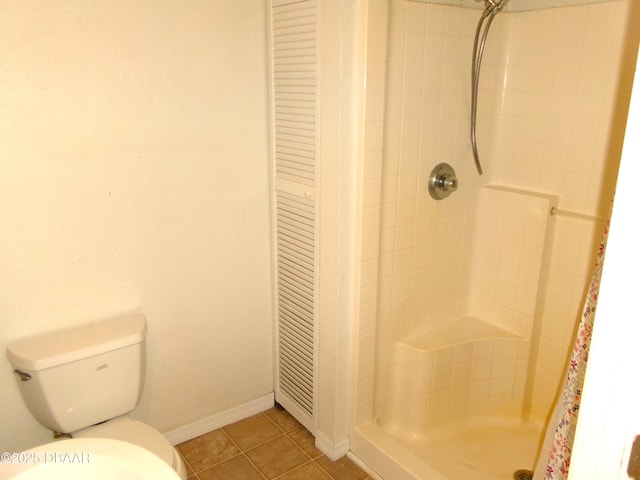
(24, 377)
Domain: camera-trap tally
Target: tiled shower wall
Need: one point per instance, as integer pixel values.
(558, 130)
(508, 261)
(548, 91)
(479, 363)
(421, 248)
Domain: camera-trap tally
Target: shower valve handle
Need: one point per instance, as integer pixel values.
(446, 182)
(442, 181)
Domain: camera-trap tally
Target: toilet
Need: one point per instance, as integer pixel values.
(84, 381)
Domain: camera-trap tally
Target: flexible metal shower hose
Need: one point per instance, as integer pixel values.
(488, 14)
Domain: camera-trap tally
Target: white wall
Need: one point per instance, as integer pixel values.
(134, 154)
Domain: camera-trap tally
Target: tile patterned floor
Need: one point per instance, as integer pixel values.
(267, 446)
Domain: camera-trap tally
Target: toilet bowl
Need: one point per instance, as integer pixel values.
(84, 381)
(94, 458)
(126, 429)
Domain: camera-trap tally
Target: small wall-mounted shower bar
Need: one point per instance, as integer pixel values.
(492, 7)
(584, 216)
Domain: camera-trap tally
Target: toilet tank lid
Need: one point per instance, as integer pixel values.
(64, 346)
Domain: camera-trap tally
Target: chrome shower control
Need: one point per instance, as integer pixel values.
(442, 181)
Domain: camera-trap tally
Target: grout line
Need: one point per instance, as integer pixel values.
(328, 474)
(241, 452)
(283, 433)
(255, 467)
(300, 447)
(293, 469)
(278, 426)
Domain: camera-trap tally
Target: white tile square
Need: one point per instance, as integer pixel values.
(481, 370)
(443, 358)
(416, 17)
(398, 376)
(420, 382)
(501, 390)
(506, 348)
(418, 410)
(483, 349)
(461, 374)
(441, 400)
(479, 391)
(460, 396)
(463, 353)
(503, 369)
(422, 360)
(399, 355)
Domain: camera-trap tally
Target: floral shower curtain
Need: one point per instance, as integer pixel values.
(555, 454)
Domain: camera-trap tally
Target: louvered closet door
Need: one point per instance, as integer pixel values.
(293, 48)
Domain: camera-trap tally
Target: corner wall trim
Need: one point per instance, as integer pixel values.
(333, 450)
(219, 420)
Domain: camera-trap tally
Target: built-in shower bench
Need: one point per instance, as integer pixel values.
(467, 365)
(470, 365)
(460, 331)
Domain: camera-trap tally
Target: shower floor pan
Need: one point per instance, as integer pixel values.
(482, 448)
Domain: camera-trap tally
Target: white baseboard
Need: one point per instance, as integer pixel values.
(363, 466)
(333, 450)
(219, 420)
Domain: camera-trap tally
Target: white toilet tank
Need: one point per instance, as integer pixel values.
(74, 378)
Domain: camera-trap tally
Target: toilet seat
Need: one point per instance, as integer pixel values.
(132, 431)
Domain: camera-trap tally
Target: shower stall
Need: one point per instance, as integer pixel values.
(468, 303)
